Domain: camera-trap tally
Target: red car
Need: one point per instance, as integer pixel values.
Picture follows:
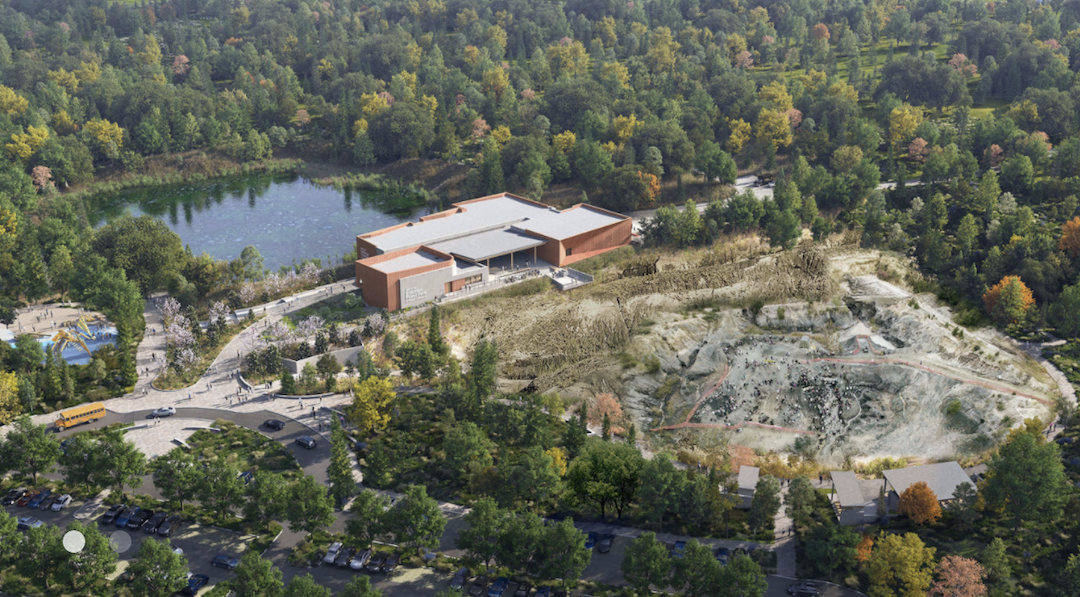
(24, 500)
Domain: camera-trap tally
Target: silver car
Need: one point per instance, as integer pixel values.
(360, 559)
(332, 553)
(61, 503)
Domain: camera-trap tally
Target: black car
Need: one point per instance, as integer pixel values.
(344, 556)
(225, 561)
(139, 519)
(605, 543)
(154, 522)
(274, 424)
(46, 504)
(522, 590)
(13, 496)
(376, 562)
(390, 564)
(113, 513)
(194, 583)
(306, 441)
(169, 525)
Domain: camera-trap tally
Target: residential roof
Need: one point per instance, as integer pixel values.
(848, 491)
(748, 477)
(407, 261)
(486, 245)
(943, 478)
(494, 213)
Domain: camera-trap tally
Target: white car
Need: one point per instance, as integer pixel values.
(332, 553)
(61, 503)
(165, 411)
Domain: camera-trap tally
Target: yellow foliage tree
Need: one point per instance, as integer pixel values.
(65, 79)
(662, 50)
(496, 35)
(501, 134)
(568, 58)
(1009, 300)
(1025, 114)
(88, 72)
(430, 103)
(739, 136)
(776, 96)
(359, 127)
(735, 45)
(471, 55)
(9, 397)
(919, 503)
(903, 120)
(558, 460)
(1070, 236)
(624, 127)
(496, 82)
(564, 141)
(773, 127)
(325, 68)
(372, 400)
(12, 103)
(371, 104)
(615, 71)
(105, 134)
(151, 52)
(403, 86)
(23, 145)
(605, 32)
(63, 124)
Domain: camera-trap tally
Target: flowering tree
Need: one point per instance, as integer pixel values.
(958, 577)
(181, 65)
(180, 342)
(218, 311)
(480, 128)
(42, 177)
(247, 293)
(994, 155)
(744, 59)
(917, 149)
(302, 117)
(309, 326)
(961, 63)
(375, 325)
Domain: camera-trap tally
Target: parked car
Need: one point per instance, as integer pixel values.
(390, 564)
(62, 502)
(344, 556)
(606, 541)
(125, 518)
(375, 563)
(37, 499)
(522, 590)
(498, 587)
(722, 555)
(478, 586)
(803, 588)
(46, 504)
(332, 553)
(170, 525)
(165, 411)
(29, 522)
(459, 579)
(679, 550)
(139, 519)
(13, 496)
(360, 560)
(225, 561)
(113, 513)
(154, 522)
(543, 592)
(306, 441)
(591, 539)
(25, 499)
(64, 445)
(194, 583)
(274, 424)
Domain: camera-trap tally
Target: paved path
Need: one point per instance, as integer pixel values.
(784, 531)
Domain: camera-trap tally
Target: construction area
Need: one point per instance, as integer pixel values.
(760, 348)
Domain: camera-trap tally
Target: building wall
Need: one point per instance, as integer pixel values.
(381, 289)
(422, 287)
(596, 242)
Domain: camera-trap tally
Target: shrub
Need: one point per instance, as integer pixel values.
(954, 407)
(652, 363)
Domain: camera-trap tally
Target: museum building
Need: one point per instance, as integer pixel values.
(476, 243)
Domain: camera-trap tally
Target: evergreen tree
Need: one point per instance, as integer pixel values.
(342, 482)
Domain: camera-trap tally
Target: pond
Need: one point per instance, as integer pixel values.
(286, 217)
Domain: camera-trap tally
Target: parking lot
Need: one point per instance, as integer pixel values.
(200, 544)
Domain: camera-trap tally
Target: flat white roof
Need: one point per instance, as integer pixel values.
(943, 478)
(407, 261)
(495, 213)
(485, 245)
(748, 477)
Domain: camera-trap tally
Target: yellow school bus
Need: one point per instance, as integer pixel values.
(87, 413)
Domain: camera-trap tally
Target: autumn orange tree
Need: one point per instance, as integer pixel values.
(1070, 236)
(606, 404)
(864, 549)
(958, 577)
(1009, 300)
(919, 503)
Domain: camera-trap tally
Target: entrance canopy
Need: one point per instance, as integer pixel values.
(490, 244)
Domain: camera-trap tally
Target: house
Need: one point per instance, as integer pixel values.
(849, 500)
(943, 478)
(748, 478)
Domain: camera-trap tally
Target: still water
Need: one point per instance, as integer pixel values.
(286, 217)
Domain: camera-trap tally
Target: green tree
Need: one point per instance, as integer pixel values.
(1027, 478)
(257, 577)
(78, 462)
(310, 508)
(342, 481)
(1063, 312)
(782, 226)
(531, 478)
(716, 164)
(360, 586)
(646, 563)
(416, 521)
(144, 247)
(120, 463)
(517, 543)
(800, 500)
(1068, 579)
(10, 538)
(415, 358)
(157, 570)
(288, 383)
(91, 564)
(61, 270)
(766, 503)
(434, 335)
(49, 555)
(268, 498)
(305, 586)
(698, 573)
(996, 561)
(831, 548)
(31, 448)
(605, 474)
(28, 353)
(467, 447)
(368, 509)
(900, 566)
(479, 540)
(220, 489)
(662, 487)
(561, 552)
(175, 475)
(481, 379)
(967, 234)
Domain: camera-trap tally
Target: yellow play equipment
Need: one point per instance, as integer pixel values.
(65, 337)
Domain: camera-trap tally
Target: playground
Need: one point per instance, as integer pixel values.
(67, 330)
